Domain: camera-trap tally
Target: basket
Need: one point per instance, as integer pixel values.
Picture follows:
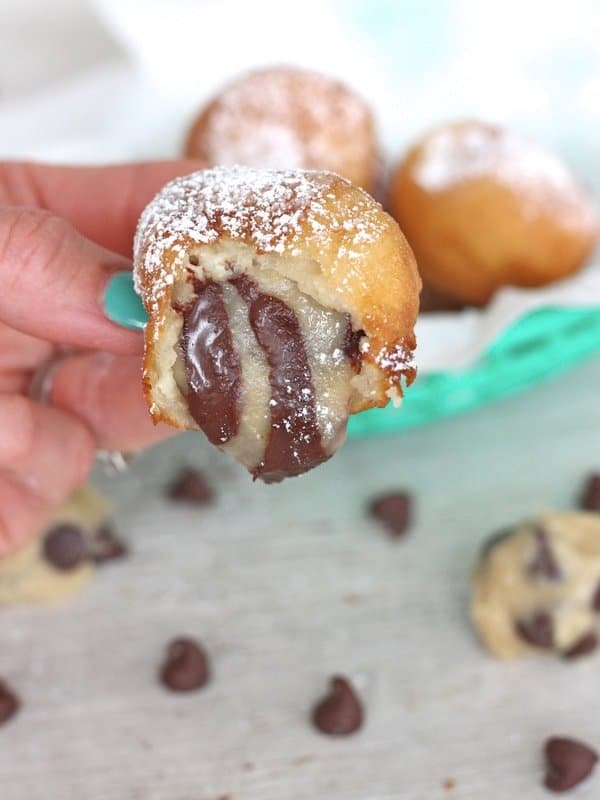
(538, 346)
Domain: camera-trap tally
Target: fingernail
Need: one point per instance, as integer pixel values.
(121, 304)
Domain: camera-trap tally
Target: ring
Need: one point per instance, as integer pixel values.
(40, 391)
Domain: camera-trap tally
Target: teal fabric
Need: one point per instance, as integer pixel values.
(538, 346)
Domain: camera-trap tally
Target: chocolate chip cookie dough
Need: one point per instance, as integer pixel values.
(537, 587)
(59, 562)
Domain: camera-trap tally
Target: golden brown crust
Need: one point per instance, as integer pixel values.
(324, 233)
(288, 118)
(483, 208)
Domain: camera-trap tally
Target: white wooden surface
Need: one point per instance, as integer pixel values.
(286, 585)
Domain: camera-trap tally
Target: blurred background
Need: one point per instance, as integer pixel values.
(289, 584)
(130, 73)
(114, 80)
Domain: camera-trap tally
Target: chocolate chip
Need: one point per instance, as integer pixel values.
(590, 497)
(596, 599)
(584, 645)
(340, 712)
(9, 703)
(494, 539)
(186, 666)
(394, 511)
(536, 630)
(191, 487)
(543, 564)
(64, 547)
(106, 546)
(568, 762)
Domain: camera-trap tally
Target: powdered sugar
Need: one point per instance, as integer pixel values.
(396, 360)
(287, 118)
(200, 208)
(273, 145)
(461, 153)
(395, 396)
(274, 211)
(269, 208)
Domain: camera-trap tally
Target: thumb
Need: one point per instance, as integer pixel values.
(53, 281)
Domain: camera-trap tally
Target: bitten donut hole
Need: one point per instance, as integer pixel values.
(258, 284)
(484, 208)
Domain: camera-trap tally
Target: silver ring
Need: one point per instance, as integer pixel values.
(40, 391)
(40, 387)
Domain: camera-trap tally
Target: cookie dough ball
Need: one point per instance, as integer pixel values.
(283, 118)
(484, 208)
(537, 588)
(279, 303)
(59, 562)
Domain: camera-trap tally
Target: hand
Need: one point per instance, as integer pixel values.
(63, 233)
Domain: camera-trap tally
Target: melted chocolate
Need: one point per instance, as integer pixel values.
(544, 566)
(213, 367)
(294, 445)
(352, 346)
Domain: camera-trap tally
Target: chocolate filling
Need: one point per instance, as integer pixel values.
(352, 346)
(212, 365)
(537, 630)
(543, 566)
(214, 375)
(294, 444)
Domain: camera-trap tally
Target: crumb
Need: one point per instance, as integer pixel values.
(448, 784)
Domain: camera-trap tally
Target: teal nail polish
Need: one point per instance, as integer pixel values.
(121, 303)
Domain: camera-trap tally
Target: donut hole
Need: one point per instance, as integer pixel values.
(485, 208)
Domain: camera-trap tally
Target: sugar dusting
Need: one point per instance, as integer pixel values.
(455, 155)
(287, 118)
(273, 210)
(395, 360)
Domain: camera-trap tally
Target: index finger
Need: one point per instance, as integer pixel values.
(102, 203)
(53, 282)
(54, 278)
